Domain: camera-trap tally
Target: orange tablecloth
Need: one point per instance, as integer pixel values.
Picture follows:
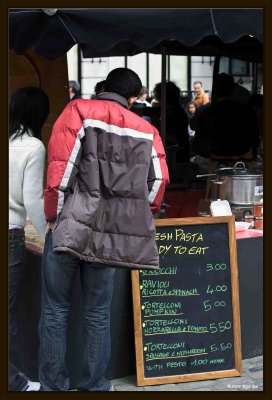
(248, 233)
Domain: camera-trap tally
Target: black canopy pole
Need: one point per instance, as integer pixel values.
(147, 72)
(255, 77)
(216, 67)
(163, 95)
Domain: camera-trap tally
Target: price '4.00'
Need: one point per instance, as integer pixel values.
(217, 288)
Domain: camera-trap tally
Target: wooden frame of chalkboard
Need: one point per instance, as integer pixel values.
(186, 314)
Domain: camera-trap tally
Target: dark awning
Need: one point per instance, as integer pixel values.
(237, 33)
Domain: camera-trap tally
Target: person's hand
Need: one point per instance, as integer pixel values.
(49, 227)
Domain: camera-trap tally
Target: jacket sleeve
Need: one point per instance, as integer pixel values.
(64, 151)
(33, 188)
(158, 176)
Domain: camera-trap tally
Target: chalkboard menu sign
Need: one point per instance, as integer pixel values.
(186, 313)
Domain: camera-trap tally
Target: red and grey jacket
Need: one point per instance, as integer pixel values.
(106, 174)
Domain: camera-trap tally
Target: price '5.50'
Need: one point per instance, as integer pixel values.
(220, 326)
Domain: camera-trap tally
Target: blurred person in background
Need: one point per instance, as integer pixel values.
(240, 93)
(141, 104)
(191, 108)
(99, 88)
(176, 120)
(227, 129)
(74, 90)
(256, 102)
(200, 98)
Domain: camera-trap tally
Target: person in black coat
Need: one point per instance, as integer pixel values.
(227, 128)
(176, 121)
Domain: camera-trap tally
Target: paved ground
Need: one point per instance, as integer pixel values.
(251, 381)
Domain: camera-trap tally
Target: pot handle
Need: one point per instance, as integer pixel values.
(221, 182)
(204, 175)
(236, 165)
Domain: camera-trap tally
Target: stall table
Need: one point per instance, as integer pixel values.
(250, 267)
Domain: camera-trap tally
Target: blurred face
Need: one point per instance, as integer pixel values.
(143, 97)
(192, 108)
(131, 100)
(71, 93)
(197, 88)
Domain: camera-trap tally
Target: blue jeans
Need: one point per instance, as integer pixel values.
(58, 273)
(16, 264)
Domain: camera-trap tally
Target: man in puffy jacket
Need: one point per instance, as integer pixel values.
(106, 176)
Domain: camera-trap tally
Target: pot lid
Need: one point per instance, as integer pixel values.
(239, 169)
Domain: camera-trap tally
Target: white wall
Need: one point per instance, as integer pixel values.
(178, 71)
(72, 63)
(202, 70)
(96, 69)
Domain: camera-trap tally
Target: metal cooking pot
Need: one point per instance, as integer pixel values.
(236, 184)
